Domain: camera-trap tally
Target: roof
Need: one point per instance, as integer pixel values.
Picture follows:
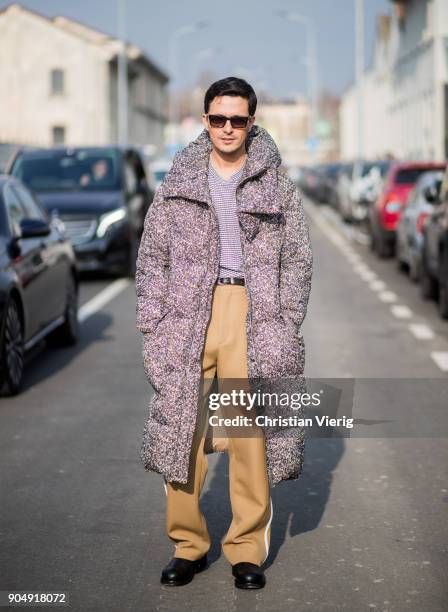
(91, 36)
(432, 165)
(30, 150)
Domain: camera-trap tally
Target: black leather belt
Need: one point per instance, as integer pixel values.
(230, 280)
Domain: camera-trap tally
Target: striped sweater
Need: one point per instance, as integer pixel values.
(223, 194)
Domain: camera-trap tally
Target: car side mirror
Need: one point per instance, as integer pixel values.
(143, 187)
(32, 228)
(431, 194)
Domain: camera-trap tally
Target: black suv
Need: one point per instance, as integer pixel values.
(100, 193)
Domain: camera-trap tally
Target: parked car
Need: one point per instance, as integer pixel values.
(419, 205)
(358, 186)
(434, 268)
(38, 281)
(6, 152)
(310, 183)
(329, 174)
(384, 215)
(366, 188)
(101, 194)
(343, 186)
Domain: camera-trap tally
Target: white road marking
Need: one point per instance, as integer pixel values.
(388, 296)
(361, 268)
(421, 331)
(377, 285)
(102, 298)
(362, 238)
(369, 275)
(351, 254)
(441, 359)
(401, 311)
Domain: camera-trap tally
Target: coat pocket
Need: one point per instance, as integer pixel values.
(165, 349)
(296, 336)
(152, 359)
(278, 348)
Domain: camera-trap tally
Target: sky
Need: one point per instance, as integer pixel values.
(244, 38)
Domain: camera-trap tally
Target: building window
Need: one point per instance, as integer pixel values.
(58, 134)
(57, 82)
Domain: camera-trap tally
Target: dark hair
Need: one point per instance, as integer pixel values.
(231, 86)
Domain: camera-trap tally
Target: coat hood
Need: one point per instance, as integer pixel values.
(188, 175)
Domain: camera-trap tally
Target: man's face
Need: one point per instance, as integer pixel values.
(228, 139)
(100, 169)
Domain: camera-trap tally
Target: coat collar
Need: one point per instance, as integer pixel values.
(188, 176)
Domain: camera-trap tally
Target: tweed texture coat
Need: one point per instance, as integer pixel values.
(176, 270)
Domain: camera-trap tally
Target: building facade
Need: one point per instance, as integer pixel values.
(58, 84)
(289, 123)
(405, 91)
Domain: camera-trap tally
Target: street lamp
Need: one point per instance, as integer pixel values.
(311, 59)
(359, 70)
(122, 81)
(173, 59)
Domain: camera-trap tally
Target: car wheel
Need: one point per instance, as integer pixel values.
(443, 299)
(12, 351)
(401, 264)
(383, 249)
(372, 241)
(443, 289)
(428, 286)
(67, 334)
(414, 271)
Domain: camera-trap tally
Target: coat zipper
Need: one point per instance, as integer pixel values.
(251, 335)
(247, 287)
(209, 300)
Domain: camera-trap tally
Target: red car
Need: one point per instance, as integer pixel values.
(384, 215)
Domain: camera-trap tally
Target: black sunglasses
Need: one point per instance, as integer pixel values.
(236, 121)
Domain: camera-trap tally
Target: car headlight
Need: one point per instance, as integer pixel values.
(393, 206)
(110, 218)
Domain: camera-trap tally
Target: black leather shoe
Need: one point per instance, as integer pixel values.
(181, 571)
(248, 576)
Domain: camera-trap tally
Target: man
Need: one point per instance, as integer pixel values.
(223, 277)
(99, 174)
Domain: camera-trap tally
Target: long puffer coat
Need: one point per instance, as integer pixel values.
(176, 270)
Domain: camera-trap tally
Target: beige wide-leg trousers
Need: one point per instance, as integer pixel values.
(248, 536)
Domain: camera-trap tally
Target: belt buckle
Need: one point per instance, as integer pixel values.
(230, 280)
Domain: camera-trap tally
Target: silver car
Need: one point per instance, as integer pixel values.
(358, 186)
(409, 229)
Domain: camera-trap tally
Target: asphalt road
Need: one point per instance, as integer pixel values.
(364, 527)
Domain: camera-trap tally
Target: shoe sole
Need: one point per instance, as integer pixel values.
(197, 570)
(244, 585)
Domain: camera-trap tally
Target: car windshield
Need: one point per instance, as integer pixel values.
(74, 170)
(333, 170)
(409, 175)
(160, 174)
(382, 167)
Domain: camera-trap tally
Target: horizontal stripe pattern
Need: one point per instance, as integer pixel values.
(223, 194)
